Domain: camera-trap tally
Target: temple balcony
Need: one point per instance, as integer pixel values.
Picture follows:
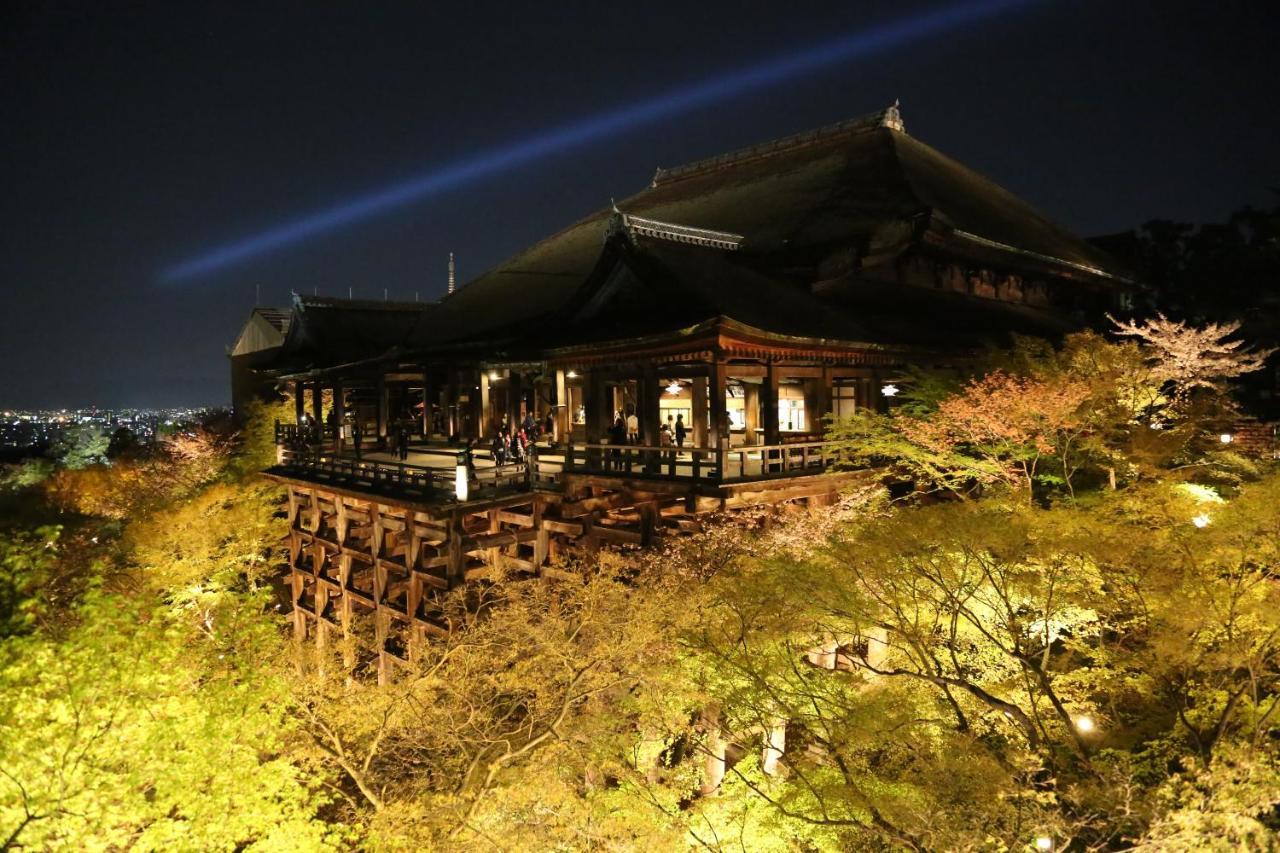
(429, 473)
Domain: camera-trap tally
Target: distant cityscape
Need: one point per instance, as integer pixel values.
(30, 431)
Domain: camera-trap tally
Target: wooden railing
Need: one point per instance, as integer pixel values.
(290, 435)
(402, 478)
(545, 469)
(723, 464)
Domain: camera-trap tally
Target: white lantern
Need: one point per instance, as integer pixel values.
(1226, 438)
(889, 390)
(461, 480)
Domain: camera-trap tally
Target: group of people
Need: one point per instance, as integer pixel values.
(626, 430)
(511, 441)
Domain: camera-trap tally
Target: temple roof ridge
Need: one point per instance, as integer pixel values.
(304, 301)
(890, 117)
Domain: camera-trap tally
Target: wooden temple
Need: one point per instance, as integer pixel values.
(735, 304)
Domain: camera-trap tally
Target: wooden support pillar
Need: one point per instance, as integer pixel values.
(455, 568)
(542, 544)
(719, 414)
(824, 402)
(381, 625)
(344, 615)
(384, 407)
(648, 408)
(493, 556)
(298, 584)
(769, 406)
(299, 404)
(339, 415)
(599, 409)
(317, 403)
(321, 599)
(483, 428)
(750, 412)
(426, 404)
(449, 405)
(698, 410)
(515, 397)
(563, 418)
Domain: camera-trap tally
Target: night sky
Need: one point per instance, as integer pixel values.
(136, 137)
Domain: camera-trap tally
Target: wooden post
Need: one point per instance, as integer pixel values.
(750, 412)
(456, 565)
(698, 411)
(426, 404)
(824, 400)
(648, 396)
(339, 416)
(317, 404)
(383, 410)
(563, 415)
(299, 405)
(344, 614)
(719, 421)
(483, 427)
(515, 397)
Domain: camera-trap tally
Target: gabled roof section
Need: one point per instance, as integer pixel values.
(265, 329)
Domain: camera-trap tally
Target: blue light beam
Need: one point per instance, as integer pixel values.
(578, 133)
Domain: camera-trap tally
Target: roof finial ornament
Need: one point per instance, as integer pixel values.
(892, 118)
(452, 274)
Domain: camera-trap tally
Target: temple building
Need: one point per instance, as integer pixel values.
(736, 302)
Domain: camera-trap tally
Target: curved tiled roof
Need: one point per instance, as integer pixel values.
(791, 202)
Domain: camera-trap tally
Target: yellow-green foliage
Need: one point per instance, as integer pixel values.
(135, 730)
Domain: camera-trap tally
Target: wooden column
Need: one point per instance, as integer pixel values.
(449, 405)
(426, 404)
(719, 415)
(648, 408)
(478, 413)
(483, 428)
(698, 411)
(824, 401)
(384, 406)
(598, 401)
(564, 425)
(750, 412)
(455, 566)
(515, 396)
(299, 405)
(317, 403)
(339, 416)
(769, 405)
